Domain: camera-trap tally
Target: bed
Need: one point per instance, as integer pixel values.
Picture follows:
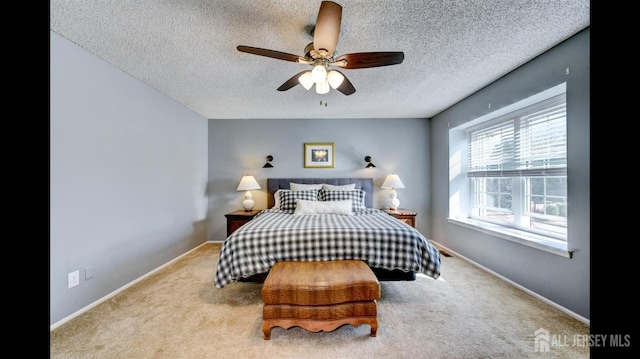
(322, 219)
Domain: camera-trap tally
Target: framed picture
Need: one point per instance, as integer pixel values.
(319, 155)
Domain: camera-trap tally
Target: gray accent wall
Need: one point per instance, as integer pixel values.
(561, 280)
(127, 181)
(237, 147)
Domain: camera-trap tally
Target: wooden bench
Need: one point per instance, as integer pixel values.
(320, 296)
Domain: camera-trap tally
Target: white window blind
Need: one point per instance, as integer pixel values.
(529, 143)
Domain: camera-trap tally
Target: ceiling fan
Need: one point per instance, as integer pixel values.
(320, 54)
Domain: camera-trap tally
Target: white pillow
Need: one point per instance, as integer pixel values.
(329, 207)
(276, 198)
(346, 187)
(303, 187)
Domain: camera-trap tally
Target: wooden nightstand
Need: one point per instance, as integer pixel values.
(236, 219)
(405, 215)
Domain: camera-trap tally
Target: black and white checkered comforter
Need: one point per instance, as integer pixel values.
(370, 235)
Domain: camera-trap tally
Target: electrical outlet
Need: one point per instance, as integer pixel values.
(74, 278)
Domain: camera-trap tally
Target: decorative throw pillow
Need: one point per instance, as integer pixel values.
(276, 198)
(303, 187)
(346, 187)
(288, 199)
(319, 207)
(357, 196)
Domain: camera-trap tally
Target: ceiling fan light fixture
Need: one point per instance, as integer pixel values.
(319, 74)
(335, 78)
(306, 80)
(322, 88)
(320, 55)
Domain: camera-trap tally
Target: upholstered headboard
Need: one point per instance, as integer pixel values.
(366, 184)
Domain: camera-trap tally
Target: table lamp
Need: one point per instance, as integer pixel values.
(393, 181)
(247, 183)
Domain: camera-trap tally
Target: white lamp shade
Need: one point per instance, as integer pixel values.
(306, 80)
(248, 183)
(319, 74)
(322, 88)
(335, 78)
(392, 181)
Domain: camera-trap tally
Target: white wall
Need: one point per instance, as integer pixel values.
(127, 181)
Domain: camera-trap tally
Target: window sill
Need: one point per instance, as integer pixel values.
(547, 244)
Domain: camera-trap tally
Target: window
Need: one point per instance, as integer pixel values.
(512, 170)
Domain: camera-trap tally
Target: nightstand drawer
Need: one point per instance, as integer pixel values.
(404, 215)
(238, 218)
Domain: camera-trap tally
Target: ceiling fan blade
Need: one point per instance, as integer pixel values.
(268, 53)
(362, 60)
(345, 87)
(327, 30)
(291, 82)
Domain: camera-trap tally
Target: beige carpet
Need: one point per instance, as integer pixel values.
(178, 313)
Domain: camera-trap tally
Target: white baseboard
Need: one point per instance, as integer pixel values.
(546, 300)
(119, 290)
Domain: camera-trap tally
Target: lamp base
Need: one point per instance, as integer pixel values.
(394, 202)
(248, 202)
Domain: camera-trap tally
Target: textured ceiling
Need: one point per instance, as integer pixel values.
(186, 49)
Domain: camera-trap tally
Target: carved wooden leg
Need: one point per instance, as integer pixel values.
(374, 327)
(266, 329)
